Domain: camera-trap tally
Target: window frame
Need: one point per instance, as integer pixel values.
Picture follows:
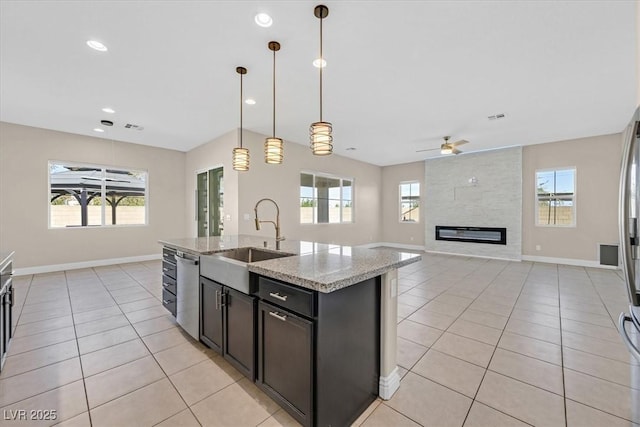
(400, 201)
(103, 203)
(315, 199)
(574, 224)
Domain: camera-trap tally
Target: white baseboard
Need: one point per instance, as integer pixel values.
(393, 245)
(568, 261)
(389, 384)
(84, 264)
(473, 256)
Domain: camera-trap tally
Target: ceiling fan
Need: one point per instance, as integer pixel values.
(447, 147)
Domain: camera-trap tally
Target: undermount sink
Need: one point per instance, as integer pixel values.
(251, 254)
(229, 267)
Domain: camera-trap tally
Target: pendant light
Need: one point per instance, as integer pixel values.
(240, 154)
(273, 150)
(320, 132)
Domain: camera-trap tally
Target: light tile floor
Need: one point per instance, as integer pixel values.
(481, 343)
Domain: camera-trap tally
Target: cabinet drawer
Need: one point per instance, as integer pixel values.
(290, 297)
(169, 255)
(169, 269)
(169, 284)
(169, 301)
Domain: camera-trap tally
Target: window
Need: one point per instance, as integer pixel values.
(555, 197)
(325, 199)
(91, 195)
(410, 202)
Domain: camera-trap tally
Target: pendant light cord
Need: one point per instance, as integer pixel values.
(240, 110)
(274, 93)
(321, 66)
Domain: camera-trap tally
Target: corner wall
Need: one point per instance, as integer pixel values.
(24, 156)
(207, 156)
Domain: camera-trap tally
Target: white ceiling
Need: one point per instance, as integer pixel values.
(400, 74)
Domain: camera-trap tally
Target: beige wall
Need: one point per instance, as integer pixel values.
(597, 163)
(24, 156)
(394, 231)
(282, 183)
(207, 156)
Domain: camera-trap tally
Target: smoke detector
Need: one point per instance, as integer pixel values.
(134, 127)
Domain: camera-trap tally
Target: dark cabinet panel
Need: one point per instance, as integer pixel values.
(211, 332)
(285, 355)
(239, 343)
(292, 298)
(169, 301)
(228, 324)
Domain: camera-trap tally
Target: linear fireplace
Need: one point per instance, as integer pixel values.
(492, 235)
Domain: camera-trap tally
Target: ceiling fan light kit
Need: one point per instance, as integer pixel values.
(447, 147)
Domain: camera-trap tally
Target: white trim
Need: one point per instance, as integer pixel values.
(83, 264)
(473, 256)
(388, 385)
(568, 261)
(392, 245)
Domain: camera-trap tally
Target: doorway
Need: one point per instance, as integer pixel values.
(209, 200)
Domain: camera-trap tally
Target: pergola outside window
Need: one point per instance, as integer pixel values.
(84, 195)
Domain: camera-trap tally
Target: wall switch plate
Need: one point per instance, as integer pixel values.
(227, 217)
(538, 247)
(246, 217)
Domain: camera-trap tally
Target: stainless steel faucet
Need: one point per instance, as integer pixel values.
(275, 223)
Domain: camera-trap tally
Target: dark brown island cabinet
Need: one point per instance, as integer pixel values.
(228, 324)
(319, 353)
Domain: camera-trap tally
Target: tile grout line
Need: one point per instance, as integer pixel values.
(564, 384)
(151, 354)
(84, 384)
(494, 351)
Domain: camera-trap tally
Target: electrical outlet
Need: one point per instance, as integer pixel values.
(538, 247)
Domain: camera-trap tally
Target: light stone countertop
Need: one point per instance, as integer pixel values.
(318, 266)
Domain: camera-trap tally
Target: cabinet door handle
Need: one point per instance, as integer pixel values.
(165, 269)
(165, 285)
(278, 316)
(217, 300)
(164, 301)
(278, 296)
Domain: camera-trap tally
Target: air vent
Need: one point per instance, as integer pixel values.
(496, 116)
(134, 127)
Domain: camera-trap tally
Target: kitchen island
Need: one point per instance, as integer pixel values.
(322, 336)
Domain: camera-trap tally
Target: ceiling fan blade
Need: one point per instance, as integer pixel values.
(455, 151)
(462, 141)
(428, 149)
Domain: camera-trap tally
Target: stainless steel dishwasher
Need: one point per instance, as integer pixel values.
(188, 295)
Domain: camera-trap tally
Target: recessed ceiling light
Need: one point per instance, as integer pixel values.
(263, 20)
(319, 63)
(94, 44)
(108, 110)
(250, 101)
(98, 130)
